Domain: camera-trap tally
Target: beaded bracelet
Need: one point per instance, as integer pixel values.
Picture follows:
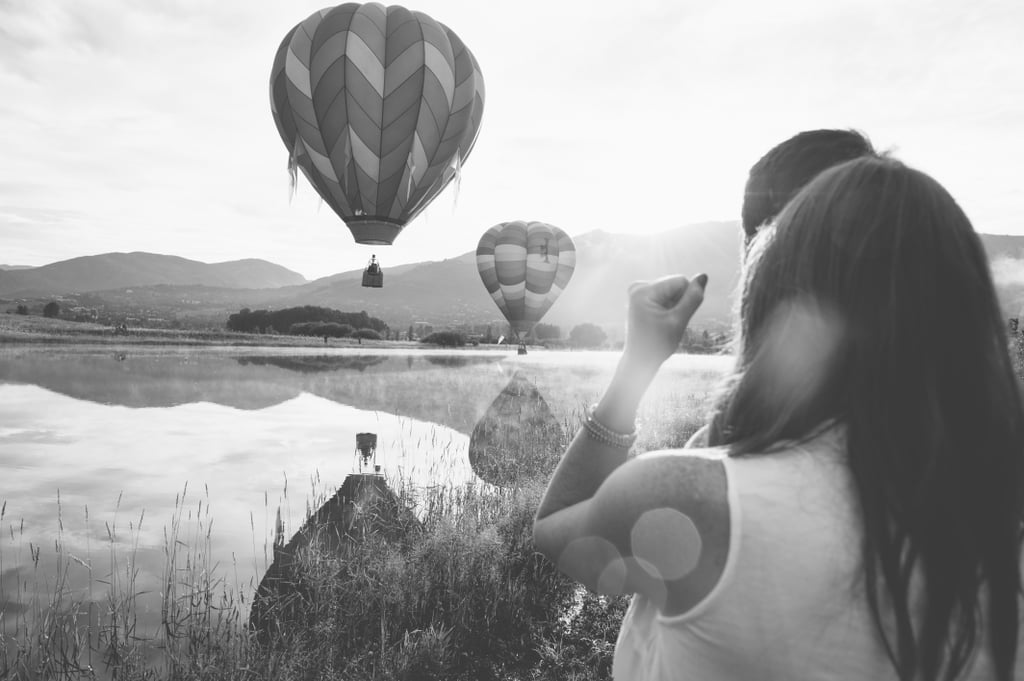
(606, 435)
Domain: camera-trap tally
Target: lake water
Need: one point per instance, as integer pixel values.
(100, 449)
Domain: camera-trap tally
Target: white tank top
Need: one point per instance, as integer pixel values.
(789, 604)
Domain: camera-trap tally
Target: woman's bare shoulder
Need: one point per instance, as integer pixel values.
(680, 516)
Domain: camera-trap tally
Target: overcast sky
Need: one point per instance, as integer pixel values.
(145, 125)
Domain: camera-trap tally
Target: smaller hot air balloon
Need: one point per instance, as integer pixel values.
(525, 266)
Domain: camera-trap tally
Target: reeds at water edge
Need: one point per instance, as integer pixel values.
(460, 594)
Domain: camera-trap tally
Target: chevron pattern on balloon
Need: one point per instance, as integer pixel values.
(379, 106)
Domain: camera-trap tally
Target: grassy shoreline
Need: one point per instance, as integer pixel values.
(27, 329)
(462, 597)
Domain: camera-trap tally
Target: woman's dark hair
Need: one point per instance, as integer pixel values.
(876, 268)
(789, 165)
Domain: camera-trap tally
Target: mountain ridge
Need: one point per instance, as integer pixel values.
(110, 271)
(448, 292)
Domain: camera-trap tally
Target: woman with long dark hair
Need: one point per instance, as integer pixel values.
(855, 510)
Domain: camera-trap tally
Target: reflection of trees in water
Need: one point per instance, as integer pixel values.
(518, 437)
(363, 508)
(144, 380)
(317, 363)
(405, 384)
(455, 361)
(312, 364)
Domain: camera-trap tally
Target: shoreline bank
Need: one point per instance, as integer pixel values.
(19, 330)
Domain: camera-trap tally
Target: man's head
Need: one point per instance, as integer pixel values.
(788, 166)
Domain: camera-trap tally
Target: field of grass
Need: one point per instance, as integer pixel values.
(459, 595)
(16, 328)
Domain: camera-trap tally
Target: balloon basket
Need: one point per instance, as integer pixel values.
(373, 280)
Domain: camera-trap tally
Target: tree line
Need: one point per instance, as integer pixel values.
(305, 319)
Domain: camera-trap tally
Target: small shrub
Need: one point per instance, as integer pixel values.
(587, 336)
(446, 339)
(368, 334)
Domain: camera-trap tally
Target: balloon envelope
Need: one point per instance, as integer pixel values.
(379, 108)
(525, 266)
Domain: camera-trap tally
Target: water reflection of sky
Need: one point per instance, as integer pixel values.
(242, 464)
(118, 436)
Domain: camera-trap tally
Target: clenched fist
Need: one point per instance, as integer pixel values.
(659, 311)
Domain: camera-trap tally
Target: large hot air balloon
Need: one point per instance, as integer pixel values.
(379, 108)
(525, 266)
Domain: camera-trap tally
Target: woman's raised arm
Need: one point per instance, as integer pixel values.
(593, 503)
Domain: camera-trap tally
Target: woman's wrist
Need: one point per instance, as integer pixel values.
(640, 362)
(618, 408)
(597, 430)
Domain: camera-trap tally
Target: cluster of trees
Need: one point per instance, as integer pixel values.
(693, 342)
(446, 339)
(51, 309)
(325, 322)
(582, 336)
(587, 336)
(541, 332)
(282, 321)
(327, 329)
(547, 332)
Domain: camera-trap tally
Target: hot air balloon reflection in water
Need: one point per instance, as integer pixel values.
(379, 107)
(518, 437)
(525, 266)
(364, 505)
(366, 445)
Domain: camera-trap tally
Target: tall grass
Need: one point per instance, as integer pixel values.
(50, 629)
(456, 593)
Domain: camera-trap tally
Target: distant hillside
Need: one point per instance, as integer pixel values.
(124, 270)
(6, 268)
(450, 292)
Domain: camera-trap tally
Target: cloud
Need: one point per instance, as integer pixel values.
(150, 120)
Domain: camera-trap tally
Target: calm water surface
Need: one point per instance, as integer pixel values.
(100, 449)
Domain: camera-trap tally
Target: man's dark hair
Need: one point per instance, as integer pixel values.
(788, 166)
